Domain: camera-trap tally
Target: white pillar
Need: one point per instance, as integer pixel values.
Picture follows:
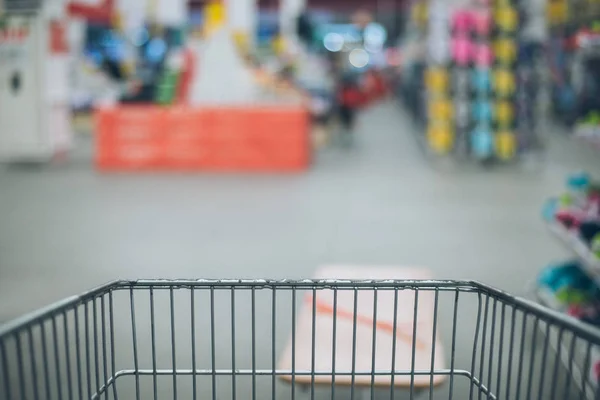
(242, 15)
(289, 11)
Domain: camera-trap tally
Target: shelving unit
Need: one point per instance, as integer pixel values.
(577, 367)
(591, 265)
(589, 261)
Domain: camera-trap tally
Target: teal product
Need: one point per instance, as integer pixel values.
(482, 142)
(549, 209)
(482, 111)
(481, 80)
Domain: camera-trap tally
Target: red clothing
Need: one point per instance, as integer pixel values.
(351, 97)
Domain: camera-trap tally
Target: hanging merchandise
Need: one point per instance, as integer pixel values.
(483, 55)
(441, 109)
(504, 82)
(505, 50)
(462, 50)
(482, 142)
(440, 137)
(476, 99)
(506, 145)
(504, 113)
(481, 81)
(482, 111)
(557, 11)
(506, 18)
(436, 80)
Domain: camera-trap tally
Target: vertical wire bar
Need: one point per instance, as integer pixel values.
(5, 375)
(273, 341)
(500, 349)
(21, 368)
(45, 361)
(354, 344)
(414, 345)
(213, 345)
(112, 341)
(513, 321)
(374, 344)
(313, 343)
(96, 356)
(556, 364)
(453, 346)
(293, 343)
(88, 356)
(433, 341)
(570, 368)
(78, 354)
(33, 360)
(334, 343)
(56, 357)
(104, 353)
(153, 344)
(536, 323)
(173, 342)
(233, 377)
(193, 333)
(521, 356)
(493, 336)
(475, 343)
(544, 360)
(394, 342)
(135, 348)
(483, 343)
(352, 387)
(253, 343)
(586, 367)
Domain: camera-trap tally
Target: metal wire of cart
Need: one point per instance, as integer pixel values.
(220, 339)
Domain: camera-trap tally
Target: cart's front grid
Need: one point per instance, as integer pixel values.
(318, 339)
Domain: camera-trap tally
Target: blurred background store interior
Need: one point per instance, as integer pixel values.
(268, 138)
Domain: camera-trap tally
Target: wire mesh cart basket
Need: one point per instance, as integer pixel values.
(317, 339)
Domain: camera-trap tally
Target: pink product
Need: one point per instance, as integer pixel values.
(484, 56)
(462, 49)
(482, 22)
(462, 21)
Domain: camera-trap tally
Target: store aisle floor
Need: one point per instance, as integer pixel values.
(66, 229)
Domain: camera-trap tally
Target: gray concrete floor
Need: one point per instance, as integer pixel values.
(67, 228)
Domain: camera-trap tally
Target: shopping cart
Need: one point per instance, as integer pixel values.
(222, 339)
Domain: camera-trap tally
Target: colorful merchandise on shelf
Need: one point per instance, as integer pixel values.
(570, 287)
(494, 112)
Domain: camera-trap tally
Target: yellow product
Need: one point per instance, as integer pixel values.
(504, 82)
(441, 109)
(420, 14)
(440, 137)
(506, 18)
(557, 11)
(505, 50)
(437, 80)
(506, 145)
(215, 16)
(279, 45)
(505, 112)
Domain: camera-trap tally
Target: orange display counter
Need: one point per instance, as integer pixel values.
(260, 138)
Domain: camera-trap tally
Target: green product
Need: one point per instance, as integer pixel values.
(166, 90)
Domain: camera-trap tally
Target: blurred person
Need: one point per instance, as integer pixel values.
(350, 98)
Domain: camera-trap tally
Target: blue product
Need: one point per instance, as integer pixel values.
(549, 209)
(482, 142)
(579, 182)
(481, 80)
(482, 111)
